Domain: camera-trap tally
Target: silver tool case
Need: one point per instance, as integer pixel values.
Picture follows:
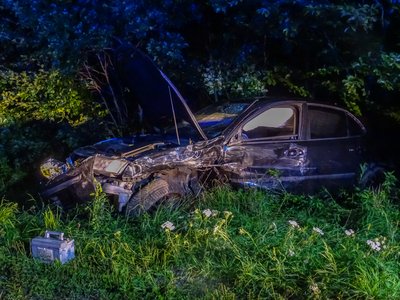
(53, 247)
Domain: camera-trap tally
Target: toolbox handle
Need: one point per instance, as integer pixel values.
(58, 234)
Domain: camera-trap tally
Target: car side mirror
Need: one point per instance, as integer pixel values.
(235, 139)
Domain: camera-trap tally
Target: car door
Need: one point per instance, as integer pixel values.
(334, 146)
(267, 148)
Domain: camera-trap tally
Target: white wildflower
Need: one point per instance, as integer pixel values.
(168, 226)
(374, 245)
(294, 224)
(291, 253)
(318, 230)
(378, 243)
(210, 213)
(349, 232)
(207, 213)
(315, 289)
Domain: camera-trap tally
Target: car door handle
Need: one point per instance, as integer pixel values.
(356, 149)
(294, 152)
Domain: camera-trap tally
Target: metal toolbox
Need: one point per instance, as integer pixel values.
(53, 247)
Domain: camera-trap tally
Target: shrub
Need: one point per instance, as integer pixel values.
(44, 95)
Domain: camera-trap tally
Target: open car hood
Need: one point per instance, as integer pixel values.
(159, 99)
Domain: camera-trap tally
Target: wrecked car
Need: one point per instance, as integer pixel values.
(269, 144)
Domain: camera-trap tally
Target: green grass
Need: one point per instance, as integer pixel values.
(225, 245)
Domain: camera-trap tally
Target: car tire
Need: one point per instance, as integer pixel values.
(373, 176)
(147, 197)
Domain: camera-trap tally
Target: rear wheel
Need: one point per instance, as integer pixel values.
(373, 175)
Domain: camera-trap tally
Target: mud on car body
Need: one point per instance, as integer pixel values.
(307, 145)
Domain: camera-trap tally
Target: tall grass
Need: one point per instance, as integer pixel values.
(225, 245)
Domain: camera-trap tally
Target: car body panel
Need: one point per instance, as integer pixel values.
(266, 164)
(247, 153)
(300, 163)
(158, 97)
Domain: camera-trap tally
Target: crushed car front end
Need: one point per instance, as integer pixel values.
(124, 176)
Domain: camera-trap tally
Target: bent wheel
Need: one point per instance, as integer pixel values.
(147, 197)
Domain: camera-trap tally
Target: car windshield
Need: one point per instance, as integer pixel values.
(213, 119)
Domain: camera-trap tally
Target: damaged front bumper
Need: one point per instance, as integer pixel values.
(122, 176)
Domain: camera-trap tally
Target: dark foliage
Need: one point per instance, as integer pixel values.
(51, 54)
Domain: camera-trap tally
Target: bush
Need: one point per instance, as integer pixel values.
(39, 117)
(44, 96)
(23, 147)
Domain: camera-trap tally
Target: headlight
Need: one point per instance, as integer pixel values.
(131, 171)
(109, 166)
(51, 168)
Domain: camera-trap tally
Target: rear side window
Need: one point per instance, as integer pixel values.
(326, 123)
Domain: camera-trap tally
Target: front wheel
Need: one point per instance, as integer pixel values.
(156, 192)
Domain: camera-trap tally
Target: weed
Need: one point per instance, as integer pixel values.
(233, 244)
(51, 219)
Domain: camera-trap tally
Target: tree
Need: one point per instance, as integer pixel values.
(228, 48)
(52, 51)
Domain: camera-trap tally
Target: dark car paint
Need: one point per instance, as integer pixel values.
(303, 164)
(295, 162)
(152, 89)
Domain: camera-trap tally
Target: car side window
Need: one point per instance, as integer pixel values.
(326, 123)
(274, 122)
